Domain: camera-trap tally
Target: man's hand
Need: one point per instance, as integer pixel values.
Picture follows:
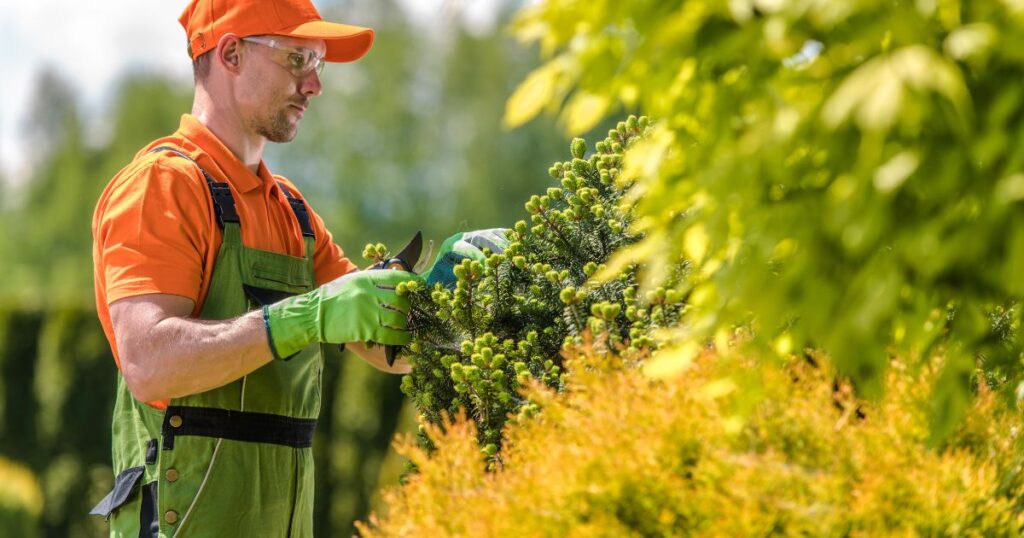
(462, 246)
(374, 356)
(357, 307)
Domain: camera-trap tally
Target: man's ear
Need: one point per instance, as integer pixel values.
(229, 52)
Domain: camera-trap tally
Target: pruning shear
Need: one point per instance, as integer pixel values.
(405, 260)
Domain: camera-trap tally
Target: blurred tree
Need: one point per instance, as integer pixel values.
(50, 239)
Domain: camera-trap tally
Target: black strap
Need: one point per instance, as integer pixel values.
(149, 521)
(223, 202)
(301, 213)
(124, 486)
(237, 426)
(151, 451)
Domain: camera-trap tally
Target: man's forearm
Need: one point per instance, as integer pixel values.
(180, 356)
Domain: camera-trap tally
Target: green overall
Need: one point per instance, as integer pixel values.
(236, 460)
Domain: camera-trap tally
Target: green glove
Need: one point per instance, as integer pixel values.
(461, 246)
(357, 307)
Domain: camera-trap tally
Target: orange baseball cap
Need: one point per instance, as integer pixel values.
(206, 21)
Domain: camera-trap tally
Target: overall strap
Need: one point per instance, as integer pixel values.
(223, 202)
(299, 208)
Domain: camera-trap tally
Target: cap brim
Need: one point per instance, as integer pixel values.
(345, 43)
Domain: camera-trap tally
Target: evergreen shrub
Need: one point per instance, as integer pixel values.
(508, 318)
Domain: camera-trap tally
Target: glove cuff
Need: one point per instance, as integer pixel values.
(292, 324)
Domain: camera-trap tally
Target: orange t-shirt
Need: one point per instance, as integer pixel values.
(155, 231)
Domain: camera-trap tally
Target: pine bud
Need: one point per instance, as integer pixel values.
(611, 311)
(578, 147)
(580, 167)
(369, 252)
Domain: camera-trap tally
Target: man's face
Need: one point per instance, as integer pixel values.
(272, 96)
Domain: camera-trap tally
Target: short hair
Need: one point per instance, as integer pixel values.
(201, 65)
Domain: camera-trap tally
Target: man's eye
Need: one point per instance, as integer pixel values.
(297, 61)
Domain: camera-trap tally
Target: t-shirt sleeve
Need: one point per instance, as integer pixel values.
(154, 231)
(329, 261)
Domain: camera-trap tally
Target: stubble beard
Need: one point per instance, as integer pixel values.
(276, 128)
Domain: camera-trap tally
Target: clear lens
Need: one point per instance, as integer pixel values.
(299, 61)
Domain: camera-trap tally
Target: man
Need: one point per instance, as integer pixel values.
(216, 285)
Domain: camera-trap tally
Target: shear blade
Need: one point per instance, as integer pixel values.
(411, 253)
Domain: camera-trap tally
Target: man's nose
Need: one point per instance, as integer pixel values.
(310, 85)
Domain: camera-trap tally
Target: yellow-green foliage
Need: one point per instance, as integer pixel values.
(21, 499)
(846, 172)
(723, 448)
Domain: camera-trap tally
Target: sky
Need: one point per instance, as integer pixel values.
(92, 44)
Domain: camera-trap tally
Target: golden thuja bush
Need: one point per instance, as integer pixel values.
(727, 447)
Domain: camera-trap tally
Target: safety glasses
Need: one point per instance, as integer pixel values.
(299, 61)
